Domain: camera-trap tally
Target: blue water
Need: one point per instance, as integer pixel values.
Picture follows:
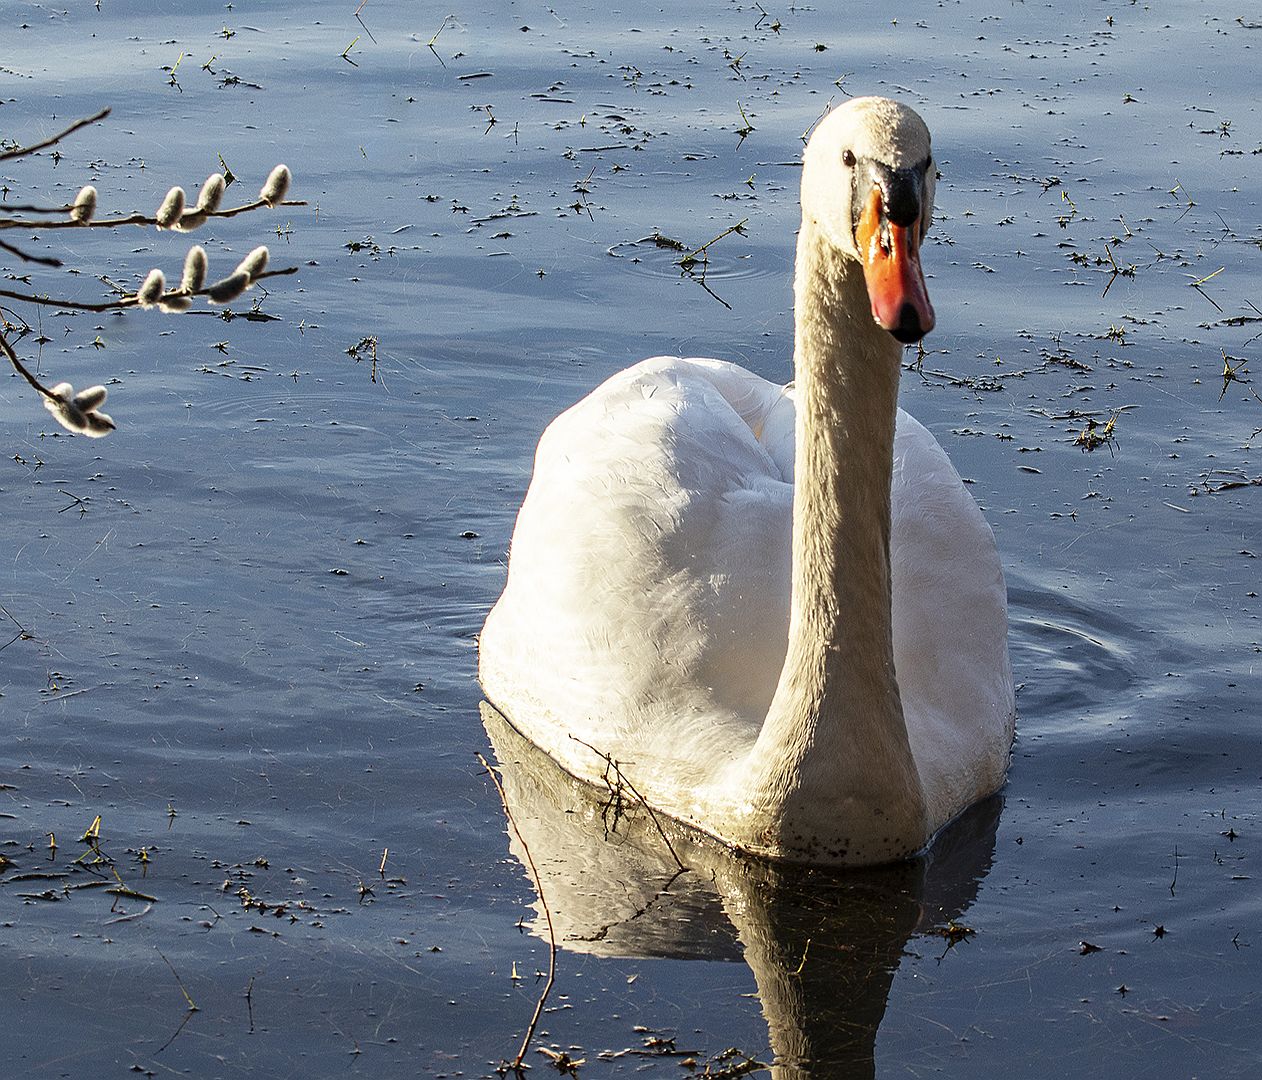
(248, 617)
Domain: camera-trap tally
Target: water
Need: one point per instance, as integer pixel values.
(251, 612)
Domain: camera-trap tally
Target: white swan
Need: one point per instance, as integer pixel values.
(674, 602)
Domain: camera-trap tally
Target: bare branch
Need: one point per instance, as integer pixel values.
(24, 151)
(26, 208)
(7, 349)
(125, 302)
(26, 256)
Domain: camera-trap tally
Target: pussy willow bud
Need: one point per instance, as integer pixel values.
(192, 219)
(153, 288)
(175, 302)
(77, 412)
(195, 264)
(254, 263)
(171, 210)
(222, 292)
(84, 205)
(91, 398)
(212, 192)
(98, 425)
(276, 186)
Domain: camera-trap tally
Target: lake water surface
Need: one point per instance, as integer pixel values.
(245, 624)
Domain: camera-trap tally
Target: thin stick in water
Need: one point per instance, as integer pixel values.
(516, 1064)
(192, 1007)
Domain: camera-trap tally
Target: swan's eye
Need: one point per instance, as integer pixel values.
(848, 158)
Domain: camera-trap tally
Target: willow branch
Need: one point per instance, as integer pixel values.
(127, 301)
(23, 151)
(7, 349)
(137, 219)
(100, 223)
(28, 208)
(26, 256)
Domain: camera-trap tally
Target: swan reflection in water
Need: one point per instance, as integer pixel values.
(823, 946)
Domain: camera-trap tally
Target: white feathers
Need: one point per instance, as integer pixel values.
(799, 648)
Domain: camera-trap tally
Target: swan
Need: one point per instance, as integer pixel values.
(773, 613)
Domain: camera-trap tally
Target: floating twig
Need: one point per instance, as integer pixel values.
(192, 1006)
(1201, 281)
(1092, 437)
(430, 44)
(689, 261)
(1117, 271)
(622, 779)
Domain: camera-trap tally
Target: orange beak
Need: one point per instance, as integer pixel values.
(891, 268)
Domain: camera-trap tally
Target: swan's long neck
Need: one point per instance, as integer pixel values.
(832, 766)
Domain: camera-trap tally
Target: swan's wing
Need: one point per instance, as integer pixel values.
(950, 623)
(646, 609)
(766, 408)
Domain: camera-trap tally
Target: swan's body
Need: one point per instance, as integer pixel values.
(816, 672)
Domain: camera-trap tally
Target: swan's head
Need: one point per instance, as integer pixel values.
(867, 184)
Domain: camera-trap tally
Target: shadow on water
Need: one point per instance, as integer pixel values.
(823, 946)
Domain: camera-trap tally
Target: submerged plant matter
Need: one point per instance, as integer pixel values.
(79, 412)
